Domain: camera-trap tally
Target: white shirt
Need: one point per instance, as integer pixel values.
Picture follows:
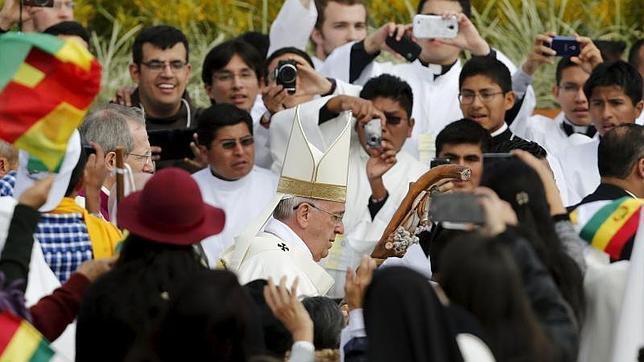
(242, 200)
(435, 100)
(579, 163)
(279, 252)
(260, 134)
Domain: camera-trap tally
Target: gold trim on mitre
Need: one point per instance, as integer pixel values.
(312, 190)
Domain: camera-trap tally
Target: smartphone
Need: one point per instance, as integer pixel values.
(434, 26)
(174, 143)
(457, 207)
(405, 47)
(373, 133)
(439, 162)
(39, 3)
(565, 46)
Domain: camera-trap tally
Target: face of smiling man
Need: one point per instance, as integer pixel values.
(162, 78)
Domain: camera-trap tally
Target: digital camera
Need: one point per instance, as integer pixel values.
(286, 75)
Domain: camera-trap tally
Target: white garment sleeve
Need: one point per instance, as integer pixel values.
(338, 64)
(354, 329)
(293, 25)
(302, 351)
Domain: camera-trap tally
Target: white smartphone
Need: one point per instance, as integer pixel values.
(434, 26)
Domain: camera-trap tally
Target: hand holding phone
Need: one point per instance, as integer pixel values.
(457, 207)
(405, 47)
(565, 46)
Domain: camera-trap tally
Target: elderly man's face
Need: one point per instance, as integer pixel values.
(324, 225)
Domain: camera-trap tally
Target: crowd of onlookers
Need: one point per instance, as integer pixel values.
(299, 216)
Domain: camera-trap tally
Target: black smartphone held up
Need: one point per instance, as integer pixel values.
(565, 46)
(457, 207)
(39, 3)
(174, 143)
(405, 47)
(439, 162)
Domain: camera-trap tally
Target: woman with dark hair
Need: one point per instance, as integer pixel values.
(212, 318)
(405, 321)
(126, 306)
(481, 275)
(525, 192)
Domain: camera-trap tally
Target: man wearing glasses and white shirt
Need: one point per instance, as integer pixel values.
(231, 181)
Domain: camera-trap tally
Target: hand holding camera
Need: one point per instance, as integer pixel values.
(468, 37)
(541, 53)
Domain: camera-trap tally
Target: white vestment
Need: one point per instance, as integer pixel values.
(549, 134)
(436, 99)
(242, 200)
(279, 252)
(361, 232)
(260, 134)
(579, 164)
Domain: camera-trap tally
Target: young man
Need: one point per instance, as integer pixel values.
(378, 178)
(231, 181)
(614, 91)
(572, 125)
(161, 70)
(485, 96)
(463, 143)
(433, 76)
(328, 23)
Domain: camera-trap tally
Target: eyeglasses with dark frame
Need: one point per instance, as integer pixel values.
(147, 158)
(157, 65)
(337, 219)
(231, 143)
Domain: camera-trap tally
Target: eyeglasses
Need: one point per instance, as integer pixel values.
(485, 97)
(226, 76)
(147, 158)
(244, 142)
(68, 5)
(157, 65)
(337, 219)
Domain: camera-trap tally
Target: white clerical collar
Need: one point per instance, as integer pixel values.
(282, 231)
(500, 130)
(577, 129)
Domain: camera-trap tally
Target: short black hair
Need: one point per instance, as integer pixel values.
(489, 67)
(563, 64)
(391, 87)
(327, 321)
(463, 131)
(289, 50)
(72, 28)
(620, 74)
(213, 118)
(633, 54)
(620, 149)
(260, 41)
(219, 56)
(465, 5)
(160, 36)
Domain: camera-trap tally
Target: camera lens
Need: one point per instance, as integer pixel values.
(287, 73)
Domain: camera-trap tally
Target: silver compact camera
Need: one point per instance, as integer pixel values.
(373, 133)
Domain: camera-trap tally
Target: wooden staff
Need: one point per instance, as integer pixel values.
(120, 172)
(424, 182)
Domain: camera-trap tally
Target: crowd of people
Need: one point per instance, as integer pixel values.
(328, 206)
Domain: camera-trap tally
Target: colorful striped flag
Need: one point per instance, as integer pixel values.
(46, 86)
(609, 226)
(20, 341)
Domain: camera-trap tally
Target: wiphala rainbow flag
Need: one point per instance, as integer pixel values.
(46, 86)
(21, 342)
(609, 226)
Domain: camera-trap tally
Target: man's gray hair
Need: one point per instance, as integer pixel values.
(285, 208)
(107, 126)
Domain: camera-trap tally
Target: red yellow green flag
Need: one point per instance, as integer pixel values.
(20, 341)
(46, 86)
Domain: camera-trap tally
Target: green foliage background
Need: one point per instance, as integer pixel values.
(509, 25)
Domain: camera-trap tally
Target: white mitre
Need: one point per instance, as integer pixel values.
(306, 172)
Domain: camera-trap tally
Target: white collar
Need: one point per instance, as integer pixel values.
(284, 232)
(500, 130)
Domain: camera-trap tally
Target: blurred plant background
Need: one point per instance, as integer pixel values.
(509, 25)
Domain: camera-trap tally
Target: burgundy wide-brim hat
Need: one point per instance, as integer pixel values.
(170, 210)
